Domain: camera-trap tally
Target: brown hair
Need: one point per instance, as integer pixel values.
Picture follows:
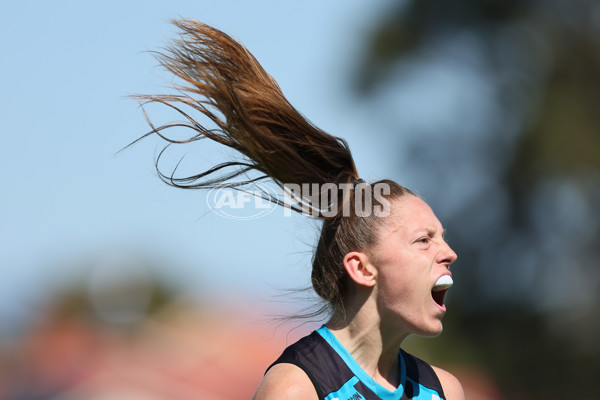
(224, 82)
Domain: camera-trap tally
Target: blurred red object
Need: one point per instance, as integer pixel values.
(178, 353)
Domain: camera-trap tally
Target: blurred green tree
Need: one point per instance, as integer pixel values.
(512, 162)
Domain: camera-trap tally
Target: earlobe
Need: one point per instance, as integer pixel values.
(360, 269)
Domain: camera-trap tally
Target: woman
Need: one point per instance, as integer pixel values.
(382, 268)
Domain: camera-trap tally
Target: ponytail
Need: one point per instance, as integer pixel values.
(221, 80)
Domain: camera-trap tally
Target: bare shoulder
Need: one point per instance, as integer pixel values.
(452, 387)
(285, 382)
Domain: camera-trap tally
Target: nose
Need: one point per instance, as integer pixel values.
(446, 255)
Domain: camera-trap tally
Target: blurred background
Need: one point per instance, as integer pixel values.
(115, 286)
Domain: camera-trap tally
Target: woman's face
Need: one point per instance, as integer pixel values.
(410, 255)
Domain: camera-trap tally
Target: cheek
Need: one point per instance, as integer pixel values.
(404, 281)
(396, 288)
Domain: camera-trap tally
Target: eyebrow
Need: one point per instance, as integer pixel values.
(432, 231)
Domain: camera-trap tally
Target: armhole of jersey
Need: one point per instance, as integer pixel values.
(291, 360)
(437, 379)
(413, 362)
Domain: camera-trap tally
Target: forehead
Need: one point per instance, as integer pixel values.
(409, 214)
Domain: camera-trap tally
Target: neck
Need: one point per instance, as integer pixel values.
(373, 345)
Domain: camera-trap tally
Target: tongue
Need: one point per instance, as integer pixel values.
(444, 282)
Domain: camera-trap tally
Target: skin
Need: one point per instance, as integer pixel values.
(392, 300)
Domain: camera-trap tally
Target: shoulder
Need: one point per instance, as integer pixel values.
(452, 387)
(285, 381)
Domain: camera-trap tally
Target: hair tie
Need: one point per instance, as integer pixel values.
(356, 182)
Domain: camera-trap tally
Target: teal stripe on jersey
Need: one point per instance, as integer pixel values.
(424, 393)
(346, 392)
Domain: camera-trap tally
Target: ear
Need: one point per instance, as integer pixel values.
(360, 269)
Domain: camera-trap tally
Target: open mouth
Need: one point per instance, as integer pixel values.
(438, 296)
(438, 293)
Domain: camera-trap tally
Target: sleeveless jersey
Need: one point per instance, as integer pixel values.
(337, 376)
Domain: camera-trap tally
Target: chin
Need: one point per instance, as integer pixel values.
(435, 334)
(431, 331)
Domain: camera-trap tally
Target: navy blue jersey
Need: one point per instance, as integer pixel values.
(337, 376)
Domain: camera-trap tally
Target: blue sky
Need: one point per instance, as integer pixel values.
(68, 201)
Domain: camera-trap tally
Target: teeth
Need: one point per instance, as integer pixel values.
(443, 283)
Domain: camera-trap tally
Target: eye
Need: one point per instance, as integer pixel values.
(424, 239)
